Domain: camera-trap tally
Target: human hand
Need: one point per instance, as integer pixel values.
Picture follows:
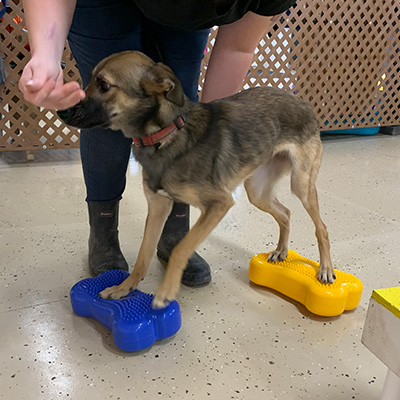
(42, 84)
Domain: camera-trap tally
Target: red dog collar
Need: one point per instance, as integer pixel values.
(160, 136)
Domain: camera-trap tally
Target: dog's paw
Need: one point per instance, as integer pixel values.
(326, 275)
(278, 255)
(158, 304)
(162, 298)
(114, 292)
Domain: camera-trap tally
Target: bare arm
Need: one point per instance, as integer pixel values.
(232, 54)
(48, 23)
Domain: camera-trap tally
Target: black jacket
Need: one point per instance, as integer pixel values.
(200, 14)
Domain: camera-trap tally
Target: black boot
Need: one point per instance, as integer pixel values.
(104, 250)
(197, 272)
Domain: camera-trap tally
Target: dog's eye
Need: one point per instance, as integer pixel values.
(104, 86)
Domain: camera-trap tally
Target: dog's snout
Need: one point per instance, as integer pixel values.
(72, 116)
(64, 114)
(86, 114)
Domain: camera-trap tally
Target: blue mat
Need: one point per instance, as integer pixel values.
(132, 321)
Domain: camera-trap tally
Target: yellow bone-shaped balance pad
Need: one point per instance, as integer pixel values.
(296, 277)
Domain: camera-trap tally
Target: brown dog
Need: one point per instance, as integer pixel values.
(199, 153)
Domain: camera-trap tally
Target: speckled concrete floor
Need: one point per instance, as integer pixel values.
(238, 341)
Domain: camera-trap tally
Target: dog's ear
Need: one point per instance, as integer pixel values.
(162, 81)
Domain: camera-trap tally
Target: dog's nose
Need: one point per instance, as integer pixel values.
(64, 114)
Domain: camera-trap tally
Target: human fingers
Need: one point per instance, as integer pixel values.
(66, 96)
(37, 92)
(39, 78)
(60, 97)
(26, 76)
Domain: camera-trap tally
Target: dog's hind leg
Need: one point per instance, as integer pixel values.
(209, 218)
(159, 208)
(304, 175)
(260, 191)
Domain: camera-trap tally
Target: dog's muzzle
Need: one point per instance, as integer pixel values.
(64, 114)
(71, 116)
(86, 114)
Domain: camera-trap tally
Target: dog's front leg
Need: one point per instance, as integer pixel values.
(209, 219)
(159, 207)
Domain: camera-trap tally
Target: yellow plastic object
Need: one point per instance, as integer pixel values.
(389, 298)
(296, 277)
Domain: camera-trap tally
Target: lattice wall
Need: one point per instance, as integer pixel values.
(342, 56)
(23, 126)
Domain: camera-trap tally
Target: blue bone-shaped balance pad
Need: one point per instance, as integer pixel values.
(132, 321)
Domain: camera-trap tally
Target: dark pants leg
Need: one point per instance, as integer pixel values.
(99, 29)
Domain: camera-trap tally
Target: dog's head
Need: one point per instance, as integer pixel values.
(127, 91)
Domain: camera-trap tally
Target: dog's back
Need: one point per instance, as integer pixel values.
(241, 132)
(272, 112)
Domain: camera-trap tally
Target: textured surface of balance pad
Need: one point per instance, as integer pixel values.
(296, 277)
(132, 321)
